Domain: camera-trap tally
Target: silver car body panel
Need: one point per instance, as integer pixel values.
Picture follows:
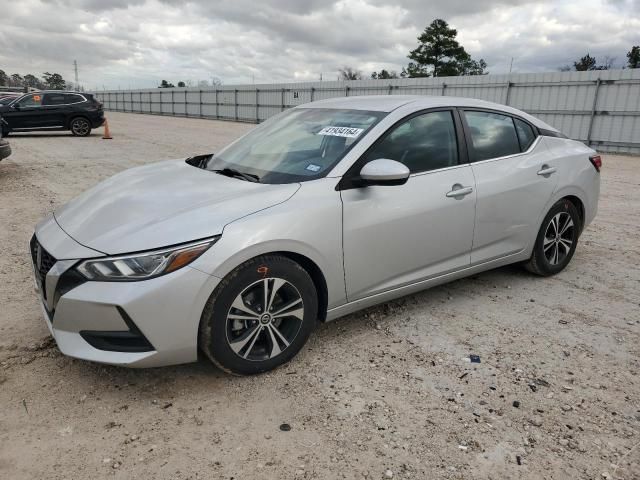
(174, 203)
(371, 244)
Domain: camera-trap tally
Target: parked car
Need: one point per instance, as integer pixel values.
(323, 210)
(8, 97)
(5, 148)
(53, 110)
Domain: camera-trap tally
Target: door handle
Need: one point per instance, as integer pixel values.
(459, 191)
(546, 170)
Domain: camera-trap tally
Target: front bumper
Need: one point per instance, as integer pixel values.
(137, 324)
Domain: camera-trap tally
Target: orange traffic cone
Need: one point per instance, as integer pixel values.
(107, 134)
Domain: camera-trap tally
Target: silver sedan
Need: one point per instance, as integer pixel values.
(325, 209)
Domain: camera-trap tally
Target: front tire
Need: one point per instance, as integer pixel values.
(80, 127)
(556, 241)
(260, 316)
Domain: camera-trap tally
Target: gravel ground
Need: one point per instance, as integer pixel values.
(384, 393)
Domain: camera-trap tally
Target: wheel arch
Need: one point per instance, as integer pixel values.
(304, 255)
(316, 275)
(579, 207)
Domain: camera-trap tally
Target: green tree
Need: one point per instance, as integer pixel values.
(439, 54)
(585, 63)
(165, 84)
(33, 81)
(16, 80)
(4, 78)
(633, 57)
(349, 73)
(181, 84)
(54, 81)
(384, 74)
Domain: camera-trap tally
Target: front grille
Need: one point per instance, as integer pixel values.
(43, 262)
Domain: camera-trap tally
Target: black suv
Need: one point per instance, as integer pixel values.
(52, 110)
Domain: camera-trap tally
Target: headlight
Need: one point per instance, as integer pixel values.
(145, 265)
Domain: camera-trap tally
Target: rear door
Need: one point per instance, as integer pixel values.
(515, 177)
(54, 107)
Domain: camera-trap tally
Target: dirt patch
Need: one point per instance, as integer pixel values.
(389, 392)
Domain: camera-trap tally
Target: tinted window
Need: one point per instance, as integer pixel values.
(34, 100)
(55, 99)
(525, 134)
(73, 98)
(425, 142)
(493, 135)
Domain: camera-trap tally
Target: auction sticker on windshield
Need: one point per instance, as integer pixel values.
(341, 131)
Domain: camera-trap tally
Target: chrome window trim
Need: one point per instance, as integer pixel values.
(436, 170)
(513, 155)
(16, 100)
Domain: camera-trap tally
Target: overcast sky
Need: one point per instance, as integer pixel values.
(136, 43)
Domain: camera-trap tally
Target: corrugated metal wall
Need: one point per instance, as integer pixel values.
(600, 108)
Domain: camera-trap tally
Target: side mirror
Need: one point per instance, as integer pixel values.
(16, 106)
(384, 172)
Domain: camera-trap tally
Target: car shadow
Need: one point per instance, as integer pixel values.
(16, 135)
(204, 373)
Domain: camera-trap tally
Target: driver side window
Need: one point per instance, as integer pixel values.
(424, 142)
(34, 100)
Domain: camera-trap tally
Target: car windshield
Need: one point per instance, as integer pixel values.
(297, 145)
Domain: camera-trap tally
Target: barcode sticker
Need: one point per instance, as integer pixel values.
(348, 132)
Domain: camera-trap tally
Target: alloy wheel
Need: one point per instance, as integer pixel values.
(264, 319)
(558, 238)
(80, 127)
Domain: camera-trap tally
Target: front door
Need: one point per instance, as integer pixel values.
(26, 112)
(399, 235)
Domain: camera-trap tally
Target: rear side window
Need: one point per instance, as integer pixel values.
(526, 136)
(424, 142)
(55, 99)
(492, 135)
(74, 98)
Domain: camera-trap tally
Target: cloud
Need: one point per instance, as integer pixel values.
(123, 43)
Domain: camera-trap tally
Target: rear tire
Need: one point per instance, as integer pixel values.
(260, 315)
(80, 127)
(556, 241)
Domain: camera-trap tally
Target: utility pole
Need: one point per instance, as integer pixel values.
(75, 69)
(511, 66)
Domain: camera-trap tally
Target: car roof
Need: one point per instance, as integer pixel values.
(388, 103)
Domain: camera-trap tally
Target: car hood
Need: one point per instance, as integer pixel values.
(162, 204)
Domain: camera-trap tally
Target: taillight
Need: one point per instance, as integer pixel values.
(596, 161)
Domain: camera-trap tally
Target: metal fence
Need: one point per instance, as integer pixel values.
(599, 108)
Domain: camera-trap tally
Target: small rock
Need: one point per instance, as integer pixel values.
(536, 421)
(516, 403)
(285, 427)
(566, 408)
(388, 474)
(116, 465)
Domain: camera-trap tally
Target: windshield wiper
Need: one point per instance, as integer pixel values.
(232, 172)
